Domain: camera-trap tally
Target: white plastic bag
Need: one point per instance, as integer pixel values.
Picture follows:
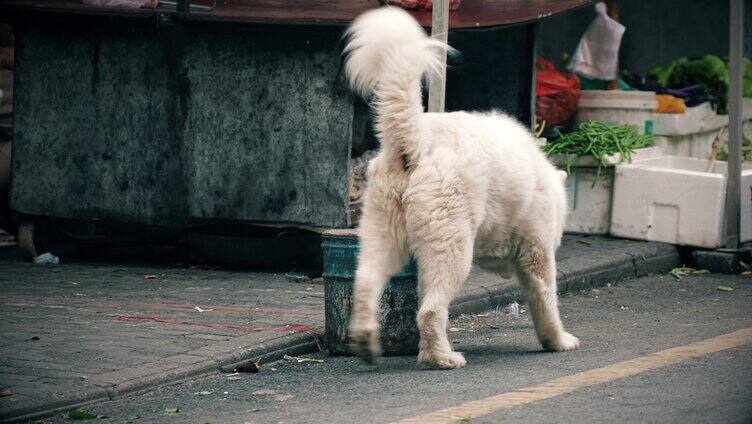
(597, 55)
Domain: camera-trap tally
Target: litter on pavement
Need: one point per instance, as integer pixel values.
(47, 258)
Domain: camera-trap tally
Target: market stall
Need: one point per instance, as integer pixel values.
(238, 113)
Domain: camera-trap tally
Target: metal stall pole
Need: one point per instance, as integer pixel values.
(440, 31)
(729, 259)
(734, 170)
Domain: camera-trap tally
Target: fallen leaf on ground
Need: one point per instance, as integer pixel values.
(681, 271)
(150, 277)
(6, 392)
(725, 288)
(82, 415)
(248, 367)
(463, 418)
(172, 410)
(299, 359)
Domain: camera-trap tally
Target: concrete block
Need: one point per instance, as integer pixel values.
(720, 261)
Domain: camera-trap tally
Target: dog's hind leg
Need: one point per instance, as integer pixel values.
(443, 266)
(383, 252)
(537, 273)
(441, 237)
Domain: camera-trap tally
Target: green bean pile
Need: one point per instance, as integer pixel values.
(599, 140)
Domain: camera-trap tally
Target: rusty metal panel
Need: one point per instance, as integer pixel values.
(178, 124)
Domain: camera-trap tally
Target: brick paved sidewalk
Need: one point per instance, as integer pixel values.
(74, 333)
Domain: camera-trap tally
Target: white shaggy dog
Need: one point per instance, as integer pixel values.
(448, 188)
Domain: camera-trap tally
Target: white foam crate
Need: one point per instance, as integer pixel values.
(589, 205)
(674, 199)
(618, 108)
(689, 134)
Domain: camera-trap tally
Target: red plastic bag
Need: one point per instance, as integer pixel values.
(556, 94)
(420, 4)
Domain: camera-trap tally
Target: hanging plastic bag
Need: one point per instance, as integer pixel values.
(597, 55)
(556, 94)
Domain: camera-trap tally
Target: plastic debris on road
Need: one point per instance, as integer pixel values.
(512, 310)
(200, 309)
(47, 258)
(83, 415)
(299, 359)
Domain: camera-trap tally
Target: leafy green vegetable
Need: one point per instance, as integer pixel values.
(710, 71)
(725, 288)
(746, 144)
(681, 271)
(598, 140)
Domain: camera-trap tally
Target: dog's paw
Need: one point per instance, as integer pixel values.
(365, 343)
(442, 361)
(563, 342)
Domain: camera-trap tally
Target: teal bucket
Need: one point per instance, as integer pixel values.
(399, 303)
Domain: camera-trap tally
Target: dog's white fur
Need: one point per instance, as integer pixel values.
(448, 188)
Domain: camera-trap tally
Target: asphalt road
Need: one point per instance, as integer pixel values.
(629, 320)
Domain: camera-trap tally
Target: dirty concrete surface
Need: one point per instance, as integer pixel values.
(627, 320)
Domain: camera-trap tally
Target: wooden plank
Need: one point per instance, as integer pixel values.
(471, 14)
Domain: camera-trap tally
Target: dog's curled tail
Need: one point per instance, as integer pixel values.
(387, 53)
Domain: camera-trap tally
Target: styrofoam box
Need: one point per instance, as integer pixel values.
(589, 205)
(675, 199)
(618, 108)
(689, 134)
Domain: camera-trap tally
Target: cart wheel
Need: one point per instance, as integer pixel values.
(32, 238)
